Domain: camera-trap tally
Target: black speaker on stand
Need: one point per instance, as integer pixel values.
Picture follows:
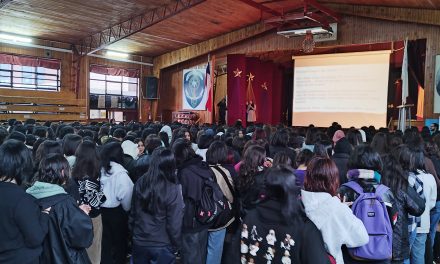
(151, 93)
(150, 88)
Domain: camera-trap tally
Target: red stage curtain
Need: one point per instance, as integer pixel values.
(30, 61)
(100, 69)
(268, 101)
(236, 89)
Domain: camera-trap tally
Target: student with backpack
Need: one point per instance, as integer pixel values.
(363, 189)
(70, 228)
(216, 156)
(407, 201)
(193, 174)
(157, 211)
(334, 219)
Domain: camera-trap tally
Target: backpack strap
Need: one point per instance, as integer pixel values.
(381, 190)
(225, 177)
(355, 186)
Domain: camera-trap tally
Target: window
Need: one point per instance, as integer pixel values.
(29, 77)
(111, 91)
(113, 85)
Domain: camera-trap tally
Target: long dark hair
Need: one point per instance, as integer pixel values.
(253, 158)
(365, 157)
(217, 153)
(380, 143)
(70, 144)
(45, 148)
(87, 161)
(183, 151)
(411, 159)
(152, 185)
(111, 152)
(393, 174)
(281, 186)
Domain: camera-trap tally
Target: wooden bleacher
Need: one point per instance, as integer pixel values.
(42, 106)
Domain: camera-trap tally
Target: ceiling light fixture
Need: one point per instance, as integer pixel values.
(15, 38)
(116, 54)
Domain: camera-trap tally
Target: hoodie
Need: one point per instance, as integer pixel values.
(43, 189)
(70, 229)
(117, 187)
(130, 149)
(167, 129)
(336, 222)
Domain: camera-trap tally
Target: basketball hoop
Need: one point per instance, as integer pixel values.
(308, 43)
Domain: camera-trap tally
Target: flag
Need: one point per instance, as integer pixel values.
(208, 87)
(420, 102)
(405, 74)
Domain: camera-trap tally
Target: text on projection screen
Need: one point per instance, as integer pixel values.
(349, 88)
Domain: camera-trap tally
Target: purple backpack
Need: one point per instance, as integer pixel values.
(372, 211)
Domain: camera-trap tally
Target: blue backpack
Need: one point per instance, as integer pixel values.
(372, 211)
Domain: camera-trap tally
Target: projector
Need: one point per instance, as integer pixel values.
(303, 31)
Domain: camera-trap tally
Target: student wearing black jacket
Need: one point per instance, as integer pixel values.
(341, 155)
(277, 230)
(23, 226)
(70, 228)
(191, 173)
(157, 211)
(408, 202)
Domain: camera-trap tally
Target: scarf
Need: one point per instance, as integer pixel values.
(355, 174)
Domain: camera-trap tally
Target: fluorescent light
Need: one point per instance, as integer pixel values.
(303, 31)
(15, 38)
(116, 54)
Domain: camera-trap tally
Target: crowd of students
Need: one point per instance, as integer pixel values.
(154, 193)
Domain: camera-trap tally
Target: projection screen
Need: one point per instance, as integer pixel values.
(349, 88)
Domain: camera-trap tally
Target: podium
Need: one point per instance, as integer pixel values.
(404, 120)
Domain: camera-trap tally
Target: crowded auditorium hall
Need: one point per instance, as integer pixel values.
(219, 132)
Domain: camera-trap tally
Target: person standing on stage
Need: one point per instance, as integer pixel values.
(222, 107)
(251, 113)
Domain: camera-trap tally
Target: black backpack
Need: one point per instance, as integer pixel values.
(213, 205)
(227, 216)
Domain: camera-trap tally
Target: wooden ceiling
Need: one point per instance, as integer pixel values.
(70, 21)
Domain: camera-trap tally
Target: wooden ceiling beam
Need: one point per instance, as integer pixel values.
(133, 25)
(261, 7)
(324, 9)
(3, 3)
(208, 46)
(411, 15)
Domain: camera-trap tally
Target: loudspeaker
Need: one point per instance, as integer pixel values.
(150, 91)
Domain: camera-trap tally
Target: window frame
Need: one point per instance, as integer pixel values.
(37, 76)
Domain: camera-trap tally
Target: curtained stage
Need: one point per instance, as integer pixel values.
(267, 89)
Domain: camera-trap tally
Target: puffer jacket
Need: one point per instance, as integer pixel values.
(408, 202)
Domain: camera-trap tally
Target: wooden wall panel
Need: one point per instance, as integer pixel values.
(351, 31)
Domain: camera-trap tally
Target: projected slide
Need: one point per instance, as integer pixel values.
(350, 88)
